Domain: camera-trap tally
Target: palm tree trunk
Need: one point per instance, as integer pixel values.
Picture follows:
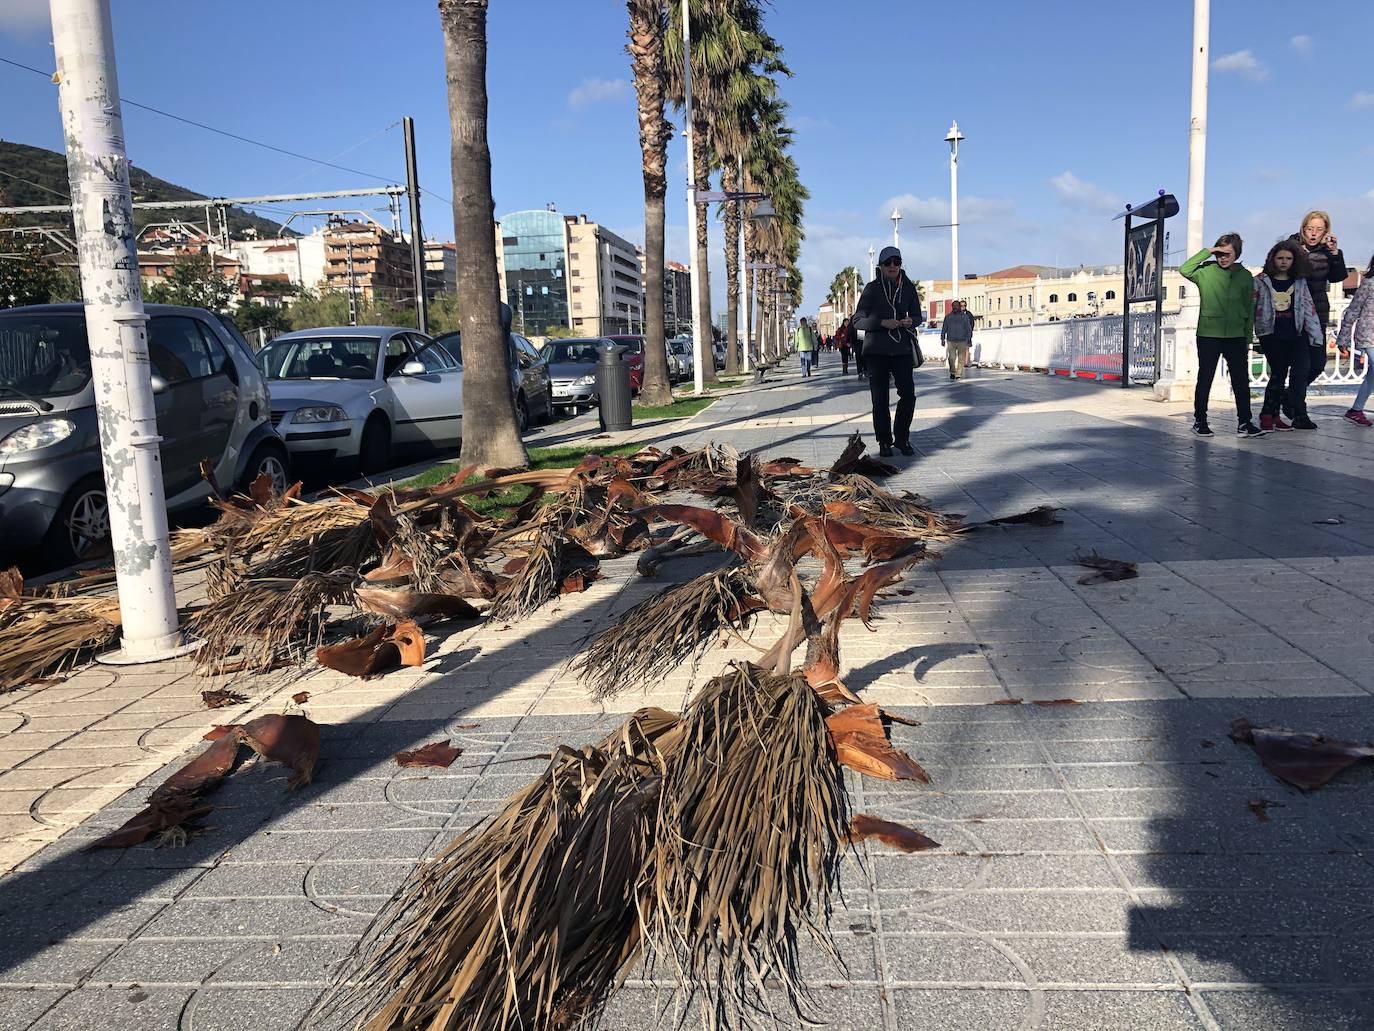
(491, 435)
(748, 284)
(734, 211)
(702, 285)
(646, 50)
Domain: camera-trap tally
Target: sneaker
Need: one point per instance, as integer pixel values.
(1267, 423)
(1279, 424)
(1249, 429)
(1302, 422)
(1201, 428)
(906, 449)
(1358, 417)
(885, 451)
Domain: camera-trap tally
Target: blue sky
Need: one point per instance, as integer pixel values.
(1070, 109)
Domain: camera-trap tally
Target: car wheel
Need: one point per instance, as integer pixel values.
(270, 459)
(522, 413)
(374, 452)
(81, 523)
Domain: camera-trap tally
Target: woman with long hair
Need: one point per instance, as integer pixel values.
(1287, 326)
(1326, 265)
(1357, 332)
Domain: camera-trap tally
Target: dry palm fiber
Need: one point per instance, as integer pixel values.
(48, 635)
(539, 579)
(676, 624)
(526, 920)
(882, 508)
(308, 537)
(750, 831)
(269, 621)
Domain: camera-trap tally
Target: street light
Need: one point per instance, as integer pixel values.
(896, 237)
(952, 138)
(872, 270)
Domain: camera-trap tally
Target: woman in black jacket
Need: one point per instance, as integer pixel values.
(889, 313)
(1326, 265)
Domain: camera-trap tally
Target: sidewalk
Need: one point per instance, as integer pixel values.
(1101, 865)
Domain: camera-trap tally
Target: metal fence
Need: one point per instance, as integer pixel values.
(1342, 370)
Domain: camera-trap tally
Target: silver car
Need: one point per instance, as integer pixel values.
(211, 404)
(356, 392)
(529, 377)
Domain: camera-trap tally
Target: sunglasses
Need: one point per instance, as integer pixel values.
(892, 263)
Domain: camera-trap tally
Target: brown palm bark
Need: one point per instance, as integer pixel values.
(701, 132)
(646, 52)
(733, 211)
(491, 434)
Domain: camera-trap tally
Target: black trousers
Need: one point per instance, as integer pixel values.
(881, 369)
(860, 365)
(1236, 352)
(1316, 358)
(1288, 369)
(844, 361)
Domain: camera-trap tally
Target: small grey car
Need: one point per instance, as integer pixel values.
(211, 403)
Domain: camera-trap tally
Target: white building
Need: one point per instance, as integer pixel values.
(299, 258)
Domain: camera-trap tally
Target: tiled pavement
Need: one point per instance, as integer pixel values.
(1101, 864)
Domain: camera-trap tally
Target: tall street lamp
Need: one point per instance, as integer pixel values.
(953, 137)
(872, 272)
(896, 236)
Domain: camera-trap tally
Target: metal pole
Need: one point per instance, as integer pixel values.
(954, 211)
(1126, 309)
(896, 236)
(1160, 252)
(743, 290)
(98, 168)
(1197, 126)
(701, 339)
(352, 288)
(872, 271)
(417, 243)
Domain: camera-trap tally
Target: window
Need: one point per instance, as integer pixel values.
(999, 306)
(436, 359)
(1110, 296)
(1073, 297)
(1054, 298)
(322, 357)
(1182, 292)
(1165, 293)
(181, 351)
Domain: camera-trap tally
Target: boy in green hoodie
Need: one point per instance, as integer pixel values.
(1225, 328)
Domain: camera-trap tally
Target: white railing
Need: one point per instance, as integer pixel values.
(1342, 370)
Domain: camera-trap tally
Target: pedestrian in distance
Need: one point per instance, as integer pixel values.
(1357, 333)
(1326, 265)
(889, 314)
(842, 344)
(956, 333)
(1225, 328)
(805, 342)
(1287, 326)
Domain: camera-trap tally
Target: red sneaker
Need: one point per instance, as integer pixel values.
(1279, 424)
(1358, 417)
(1267, 423)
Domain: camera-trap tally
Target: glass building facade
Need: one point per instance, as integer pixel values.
(535, 250)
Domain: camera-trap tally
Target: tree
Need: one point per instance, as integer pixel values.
(251, 317)
(192, 280)
(312, 310)
(443, 314)
(491, 435)
(647, 25)
(29, 279)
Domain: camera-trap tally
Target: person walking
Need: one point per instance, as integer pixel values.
(1326, 265)
(842, 345)
(1357, 332)
(956, 333)
(1225, 328)
(889, 313)
(1287, 326)
(805, 341)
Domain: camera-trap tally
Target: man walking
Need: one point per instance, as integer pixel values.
(889, 313)
(806, 346)
(956, 333)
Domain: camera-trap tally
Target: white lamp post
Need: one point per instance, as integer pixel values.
(953, 137)
(872, 270)
(896, 236)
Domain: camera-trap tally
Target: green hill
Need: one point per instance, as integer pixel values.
(48, 170)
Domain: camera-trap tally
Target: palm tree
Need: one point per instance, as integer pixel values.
(646, 33)
(491, 435)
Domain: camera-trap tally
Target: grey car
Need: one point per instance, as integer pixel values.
(354, 393)
(572, 369)
(529, 379)
(211, 403)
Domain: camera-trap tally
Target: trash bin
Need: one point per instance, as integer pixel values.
(613, 386)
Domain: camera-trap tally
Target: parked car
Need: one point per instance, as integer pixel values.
(211, 402)
(354, 393)
(529, 377)
(572, 369)
(718, 347)
(633, 356)
(681, 349)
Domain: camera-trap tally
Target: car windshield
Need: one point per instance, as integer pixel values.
(44, 355)
(575, 352)
(321, 358)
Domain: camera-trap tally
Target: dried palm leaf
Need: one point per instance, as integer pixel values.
(655, 636)
(747, 850)
(1105, 569)
(859, 735)
(384, 649)
(538, 580)
(44, 636)
(907, 839)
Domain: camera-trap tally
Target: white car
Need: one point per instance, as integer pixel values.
(356, 392)
(680, 349)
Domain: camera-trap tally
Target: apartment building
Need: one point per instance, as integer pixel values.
(441, 268)
(604, 289)
(299, 258)
(366, 259)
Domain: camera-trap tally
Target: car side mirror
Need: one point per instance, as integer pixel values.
(159, 384)
(413, 368)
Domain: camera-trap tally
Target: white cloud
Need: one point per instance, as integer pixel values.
(593, 91)
(1076, 193)
(1302, 44)
(914, 210)
(1362, 101)
(23, 16)
(1242, 62)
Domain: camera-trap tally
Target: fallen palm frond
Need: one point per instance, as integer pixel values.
(45, 635)
(659, 633)
(1305, 760)
(538, 579)
(524, 921)
(1041, 515)
(898, 836)
(265, 622)
(1106, 570)
(438, 754)
(403, 603)
(747, 849)
(310, 537)
(384, 649)
(859, 735)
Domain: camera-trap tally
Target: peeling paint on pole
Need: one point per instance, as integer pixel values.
(102, 209)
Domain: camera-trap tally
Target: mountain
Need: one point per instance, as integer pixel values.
(46, 175)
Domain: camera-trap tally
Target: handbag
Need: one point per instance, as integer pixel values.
(917, 358)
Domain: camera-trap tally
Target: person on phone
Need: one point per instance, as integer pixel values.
(889, 314)
(1225, 328)
(1326, 265)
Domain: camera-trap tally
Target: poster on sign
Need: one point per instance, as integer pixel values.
(1142, 271)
